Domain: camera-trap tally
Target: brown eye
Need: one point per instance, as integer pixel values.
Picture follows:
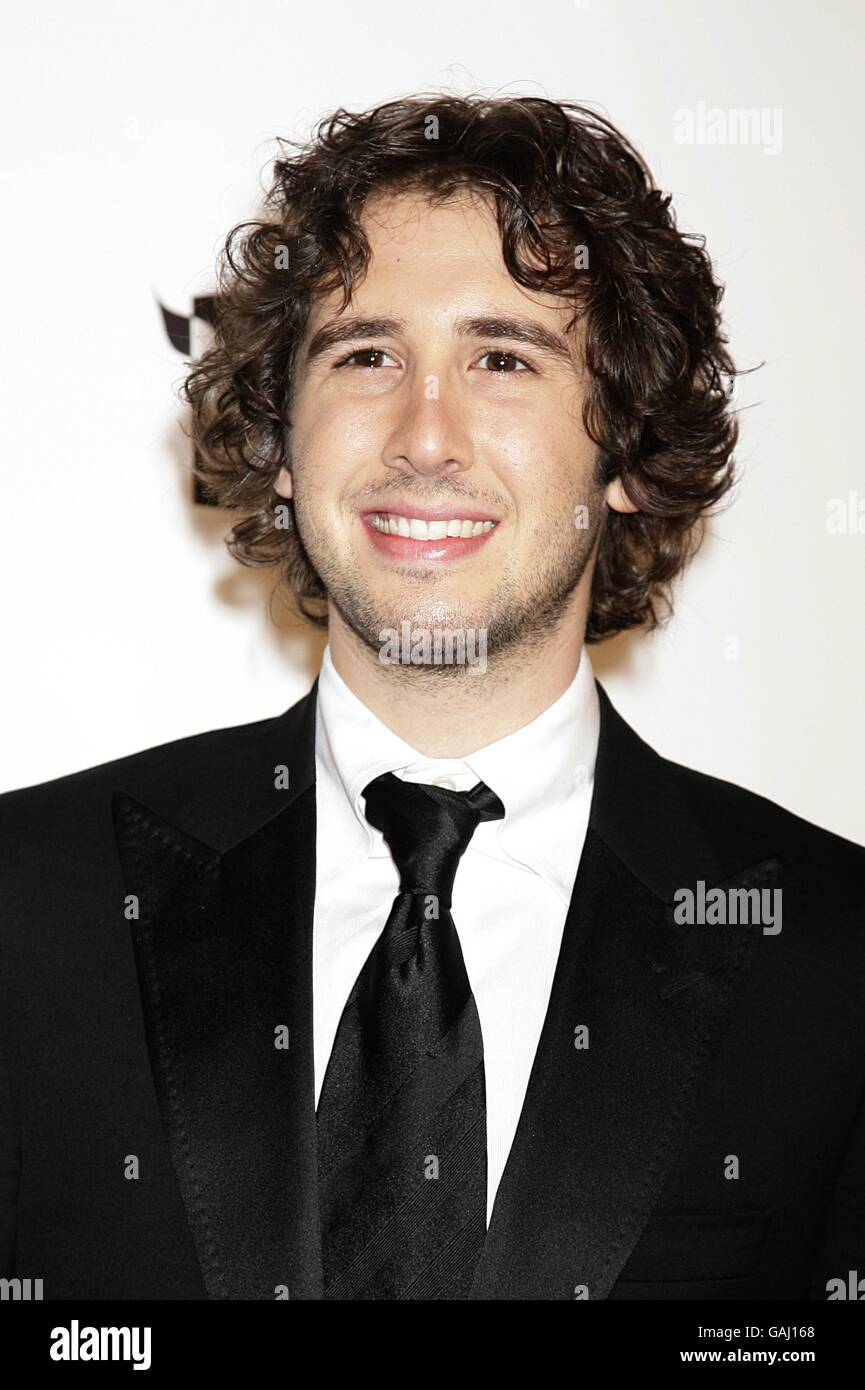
(363, 353)
(500, 357)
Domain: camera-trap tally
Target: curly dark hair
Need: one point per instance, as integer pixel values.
(658, 375)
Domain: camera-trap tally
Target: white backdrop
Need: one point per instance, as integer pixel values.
(133, 136)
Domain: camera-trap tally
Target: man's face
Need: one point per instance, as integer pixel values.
(439, 467)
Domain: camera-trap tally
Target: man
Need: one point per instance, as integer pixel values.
(442, 984)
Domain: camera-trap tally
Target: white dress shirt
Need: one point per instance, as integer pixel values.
(513, 883)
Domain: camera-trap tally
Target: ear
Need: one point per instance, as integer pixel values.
(616, 497)
(284, 485)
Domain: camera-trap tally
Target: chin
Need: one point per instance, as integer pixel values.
(433, 613)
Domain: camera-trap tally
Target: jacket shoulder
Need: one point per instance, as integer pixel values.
(195, 780)
(730, 815)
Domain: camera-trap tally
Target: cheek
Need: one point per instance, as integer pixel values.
(321, 464)
(546, 470)
(335, 439)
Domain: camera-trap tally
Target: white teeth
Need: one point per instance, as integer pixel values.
(420, 530)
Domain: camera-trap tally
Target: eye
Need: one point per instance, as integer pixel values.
(503, 356)
(367, 352)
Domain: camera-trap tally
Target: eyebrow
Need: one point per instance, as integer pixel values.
(480, 326)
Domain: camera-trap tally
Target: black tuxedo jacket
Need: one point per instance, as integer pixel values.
(155, 1143)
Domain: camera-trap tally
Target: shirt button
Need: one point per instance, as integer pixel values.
(447, 782)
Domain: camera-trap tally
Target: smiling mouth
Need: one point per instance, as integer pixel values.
(421, 529)
(436, 538)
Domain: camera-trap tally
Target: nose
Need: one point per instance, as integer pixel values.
(430, 436)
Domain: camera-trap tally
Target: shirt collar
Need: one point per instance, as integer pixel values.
(543, 772)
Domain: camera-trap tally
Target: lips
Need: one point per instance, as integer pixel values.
(434, 533)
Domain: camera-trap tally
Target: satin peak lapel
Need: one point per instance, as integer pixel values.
(223, 947)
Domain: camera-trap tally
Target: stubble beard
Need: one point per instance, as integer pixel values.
(520, 617)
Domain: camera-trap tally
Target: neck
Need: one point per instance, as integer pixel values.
(451, 712)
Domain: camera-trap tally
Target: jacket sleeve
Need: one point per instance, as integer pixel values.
(841, 1251)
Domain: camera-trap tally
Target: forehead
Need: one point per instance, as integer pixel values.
(441, 254)
(408, 224)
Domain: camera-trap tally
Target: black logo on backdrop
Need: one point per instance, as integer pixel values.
(179, 331)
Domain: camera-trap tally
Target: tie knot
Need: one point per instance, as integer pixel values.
(428, 828)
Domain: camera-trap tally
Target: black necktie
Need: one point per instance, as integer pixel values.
(402, 1145)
